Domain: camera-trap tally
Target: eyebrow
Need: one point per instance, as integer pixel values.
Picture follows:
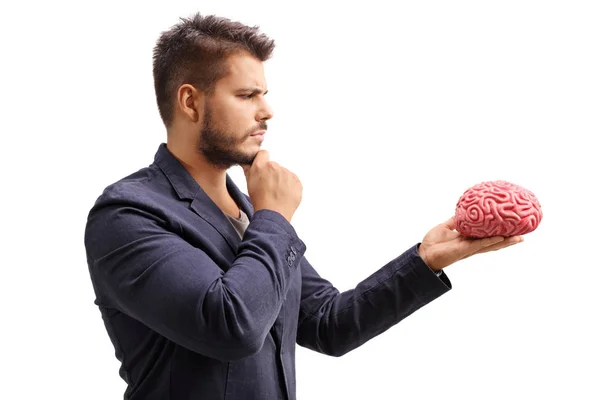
(253, 90)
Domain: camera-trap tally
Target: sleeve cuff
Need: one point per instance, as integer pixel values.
(423, 270)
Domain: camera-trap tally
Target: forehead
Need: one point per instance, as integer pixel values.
(244, 70)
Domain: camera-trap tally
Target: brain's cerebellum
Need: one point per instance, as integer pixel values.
(497, 208)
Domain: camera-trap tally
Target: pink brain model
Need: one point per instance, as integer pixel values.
(497, 208)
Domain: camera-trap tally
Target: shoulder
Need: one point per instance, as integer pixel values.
(139, 187)
(144, 196)
(134, 205)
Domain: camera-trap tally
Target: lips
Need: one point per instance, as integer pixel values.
(259, 133)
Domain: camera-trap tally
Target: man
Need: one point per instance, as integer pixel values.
(205, 291)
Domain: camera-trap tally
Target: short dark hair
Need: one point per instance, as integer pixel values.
(195, 50)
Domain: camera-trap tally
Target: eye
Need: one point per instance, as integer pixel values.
(246, 96)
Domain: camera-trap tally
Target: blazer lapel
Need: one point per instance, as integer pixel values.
(240, 198)
(187, 188)
(207, 209)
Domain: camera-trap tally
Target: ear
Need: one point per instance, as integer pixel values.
(190, 102)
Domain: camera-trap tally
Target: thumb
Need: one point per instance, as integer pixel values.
(450, 223)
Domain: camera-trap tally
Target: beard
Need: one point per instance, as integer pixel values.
(219, 147)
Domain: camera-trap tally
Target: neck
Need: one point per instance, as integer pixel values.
(212, 180)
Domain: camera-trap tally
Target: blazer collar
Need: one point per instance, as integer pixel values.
(187, 188)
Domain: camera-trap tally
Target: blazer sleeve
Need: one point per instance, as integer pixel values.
(150, 273)
(335, 323)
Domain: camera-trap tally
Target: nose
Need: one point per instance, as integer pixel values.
(265, 113)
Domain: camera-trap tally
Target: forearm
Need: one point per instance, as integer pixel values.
(344, 321)
(247, 299)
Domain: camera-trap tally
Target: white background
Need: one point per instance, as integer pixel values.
(387, 113)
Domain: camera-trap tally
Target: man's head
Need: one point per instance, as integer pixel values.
(210, 86)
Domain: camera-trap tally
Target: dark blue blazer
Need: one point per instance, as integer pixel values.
(196, 313)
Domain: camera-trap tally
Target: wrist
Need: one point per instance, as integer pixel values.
(425, 257)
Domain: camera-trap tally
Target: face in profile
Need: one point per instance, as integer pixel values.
(233, 113)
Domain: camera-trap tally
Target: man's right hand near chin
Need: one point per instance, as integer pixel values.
(271, 186)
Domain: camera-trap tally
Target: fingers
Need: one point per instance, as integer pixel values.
(472, 246)
(486, 242)
(479, 246)
(261, 157)
(509, 241)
